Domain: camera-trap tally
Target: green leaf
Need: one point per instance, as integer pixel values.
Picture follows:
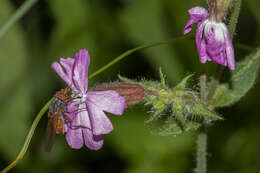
(234, 17)
(183, 84)
(173, 128)
(242, 79)
(162, 77)
(153, 116)
(201, 110)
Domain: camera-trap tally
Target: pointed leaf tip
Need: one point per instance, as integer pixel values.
(182, 85)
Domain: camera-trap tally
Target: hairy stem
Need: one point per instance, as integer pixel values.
(201, 165)
(208, 96)
(234, 17)
(203, 88)
(213, 85)
(232, 27)
(16, 16)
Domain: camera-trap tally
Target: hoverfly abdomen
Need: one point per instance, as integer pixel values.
(56, 115)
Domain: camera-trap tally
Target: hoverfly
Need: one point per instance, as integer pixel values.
(57, 116)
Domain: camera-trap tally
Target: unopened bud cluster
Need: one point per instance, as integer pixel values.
(180, 106)
(133, 93)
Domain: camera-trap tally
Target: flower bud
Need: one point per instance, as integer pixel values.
(133, 93)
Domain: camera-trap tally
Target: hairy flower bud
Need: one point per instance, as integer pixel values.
(133, 93)
(173, 110)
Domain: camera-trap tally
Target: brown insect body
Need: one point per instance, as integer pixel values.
(57, 110)
(56, 116)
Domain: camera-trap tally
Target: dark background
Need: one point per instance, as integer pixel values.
(59, 28)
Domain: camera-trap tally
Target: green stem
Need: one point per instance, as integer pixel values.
(16, 16)
(234, 17)
(28, 138)
(213, 85)
(201, 166)
(203, 88)
(232, 27)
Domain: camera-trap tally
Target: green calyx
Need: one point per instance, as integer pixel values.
(177, 109)
(223, 5)
(218, 8)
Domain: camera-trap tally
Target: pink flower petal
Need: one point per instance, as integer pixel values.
(197, 14)
(79, 115)
(200, 42)
(74, 138)
(80, 70)
(80, 121)
(109, 101)
(204, 57)
(67, 64)
(99, 121)
(94, 142)
(230, 52)
(71, 110)
(59, 70)
(84, 119)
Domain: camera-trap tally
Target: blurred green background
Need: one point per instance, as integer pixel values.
(59, 28)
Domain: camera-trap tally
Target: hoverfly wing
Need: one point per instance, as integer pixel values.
(50, 134)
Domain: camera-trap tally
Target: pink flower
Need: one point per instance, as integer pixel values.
(89, 122)
(212, 38)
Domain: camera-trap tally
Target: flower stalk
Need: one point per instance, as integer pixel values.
(201, 165)
(208, 94)
(232, 26)
(234, 17)
(213, 85)
(203, 88)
